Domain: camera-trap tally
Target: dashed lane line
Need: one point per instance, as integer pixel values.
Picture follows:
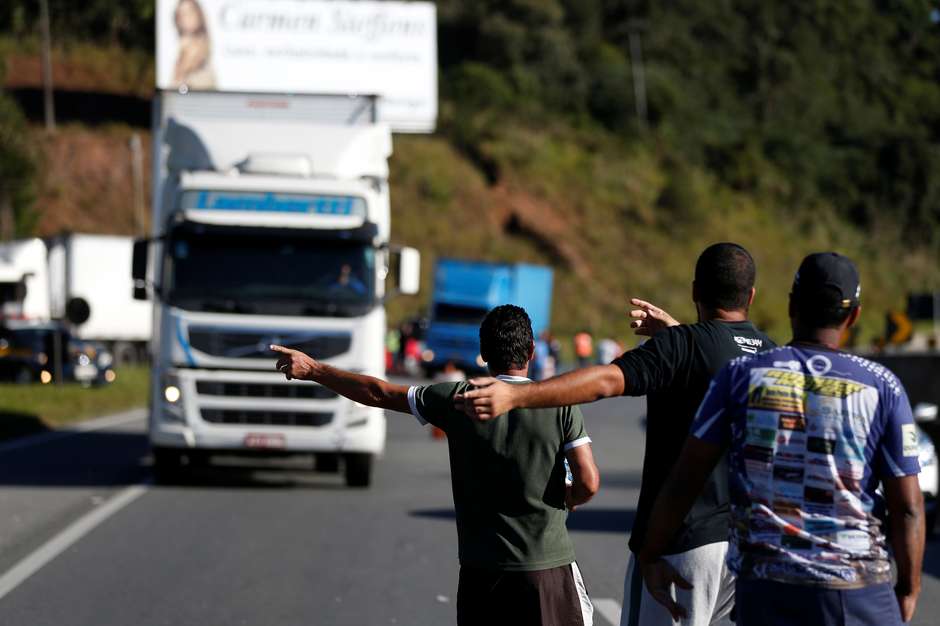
(609, 609)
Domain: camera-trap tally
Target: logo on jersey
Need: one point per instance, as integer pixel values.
(749, 344)
(909, 437)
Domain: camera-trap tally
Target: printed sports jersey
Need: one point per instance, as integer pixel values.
(812, 432)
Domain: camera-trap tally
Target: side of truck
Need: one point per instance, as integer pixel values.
(464, 291)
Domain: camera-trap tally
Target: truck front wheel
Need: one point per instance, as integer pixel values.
(359, 470)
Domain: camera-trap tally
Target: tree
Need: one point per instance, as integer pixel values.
(17, 173)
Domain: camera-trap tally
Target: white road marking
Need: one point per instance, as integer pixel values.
(609, 609)
(101, 423)
(47, 552)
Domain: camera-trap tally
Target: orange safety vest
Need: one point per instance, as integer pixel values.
(582, 345)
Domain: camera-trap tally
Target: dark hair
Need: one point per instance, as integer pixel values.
(724, 277)
(822, 309)
(202, 16)
(506, 338)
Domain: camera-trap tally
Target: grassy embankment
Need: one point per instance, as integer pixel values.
(28, 409)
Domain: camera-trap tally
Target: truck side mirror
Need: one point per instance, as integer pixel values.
(139, 263)
(409, 271)
(139, 268)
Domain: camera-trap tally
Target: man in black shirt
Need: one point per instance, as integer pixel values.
(674, 369)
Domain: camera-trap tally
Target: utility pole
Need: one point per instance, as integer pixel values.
(639, 74)
(47, 65)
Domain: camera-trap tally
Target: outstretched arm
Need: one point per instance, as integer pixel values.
(492, 397)
(359, 388)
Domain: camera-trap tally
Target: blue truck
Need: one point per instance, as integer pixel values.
(464, 291)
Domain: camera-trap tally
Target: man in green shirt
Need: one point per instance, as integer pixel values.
(511, 497)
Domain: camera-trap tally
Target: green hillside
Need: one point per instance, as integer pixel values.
(787, 127)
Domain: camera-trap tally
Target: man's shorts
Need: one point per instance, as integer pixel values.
(708, 602)
(769, 603)
(548, 597)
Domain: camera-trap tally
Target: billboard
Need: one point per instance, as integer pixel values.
(387, 49)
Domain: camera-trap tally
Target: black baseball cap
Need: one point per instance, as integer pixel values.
(828, 278)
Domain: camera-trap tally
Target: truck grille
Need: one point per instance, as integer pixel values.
(252, 344)
(266, 418)
(261, 390)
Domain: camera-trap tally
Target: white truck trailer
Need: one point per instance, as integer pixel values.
(81, 278)
(90, 285)
(271, 225)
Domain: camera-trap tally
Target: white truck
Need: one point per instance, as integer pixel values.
(271, 225)
(82, 278)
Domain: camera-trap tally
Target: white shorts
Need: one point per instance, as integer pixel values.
(708, 602)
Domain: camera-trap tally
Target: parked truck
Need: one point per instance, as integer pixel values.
(464, 291)
(79, 279)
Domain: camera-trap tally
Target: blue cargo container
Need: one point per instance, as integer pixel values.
(464, 291)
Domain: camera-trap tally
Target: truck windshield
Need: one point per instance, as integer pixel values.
(11, 297)
(270, 275)
(458, 314)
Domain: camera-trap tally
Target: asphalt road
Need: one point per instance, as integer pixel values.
(85, 539)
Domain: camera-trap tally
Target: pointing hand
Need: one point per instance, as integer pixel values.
(649, 319)
(293, 363)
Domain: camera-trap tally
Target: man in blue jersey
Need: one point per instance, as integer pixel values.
(811, 432)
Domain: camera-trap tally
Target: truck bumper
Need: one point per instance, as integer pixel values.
(199, 421)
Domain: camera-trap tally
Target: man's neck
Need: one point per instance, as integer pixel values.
(824, 337)
(520, 373)
(722, 315)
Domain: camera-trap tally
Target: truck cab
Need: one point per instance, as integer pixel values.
(24, 281)
(464, 291)
(271, 227)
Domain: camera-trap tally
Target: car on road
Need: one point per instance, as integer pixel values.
(28, 355)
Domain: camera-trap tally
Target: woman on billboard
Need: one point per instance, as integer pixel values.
(193, 65)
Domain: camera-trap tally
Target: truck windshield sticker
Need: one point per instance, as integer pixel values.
(274, 203)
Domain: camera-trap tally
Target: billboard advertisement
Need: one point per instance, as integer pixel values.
(387, 49)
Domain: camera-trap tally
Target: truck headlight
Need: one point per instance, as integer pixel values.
(172, 393)
(172, 406)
